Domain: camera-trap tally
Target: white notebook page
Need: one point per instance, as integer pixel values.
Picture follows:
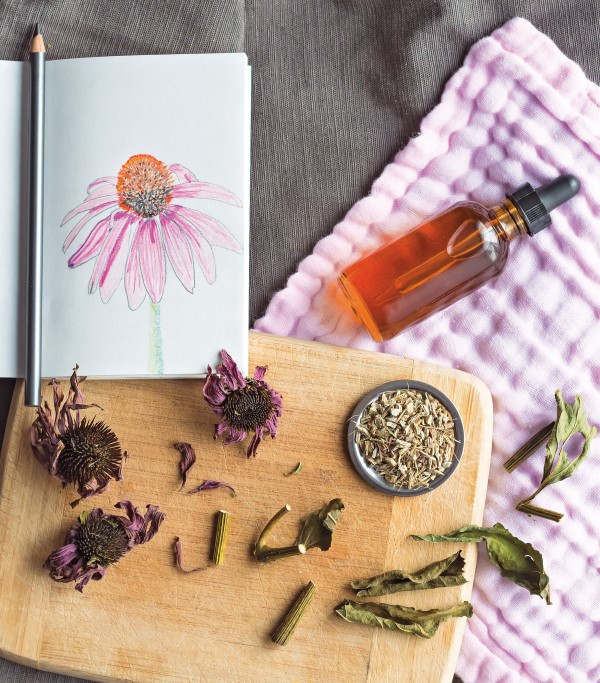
(186, 110)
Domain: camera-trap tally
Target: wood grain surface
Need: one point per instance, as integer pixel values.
(148, 622)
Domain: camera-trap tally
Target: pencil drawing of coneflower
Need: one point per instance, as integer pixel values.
(138, 225)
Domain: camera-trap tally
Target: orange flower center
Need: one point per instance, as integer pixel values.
(145, 186)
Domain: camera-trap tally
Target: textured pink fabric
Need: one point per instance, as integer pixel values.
(517, 110)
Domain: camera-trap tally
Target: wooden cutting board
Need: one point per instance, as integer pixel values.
(148, 622)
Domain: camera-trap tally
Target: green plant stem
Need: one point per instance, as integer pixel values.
(263, 552)
(529, 509)
(156, 364)
(529, 448)
(283, 632)
(223, 519)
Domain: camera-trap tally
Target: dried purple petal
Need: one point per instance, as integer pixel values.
(210, 485)
(244, 405)
(188, 458)
(98, 540)
(76, 451)
(179, 559)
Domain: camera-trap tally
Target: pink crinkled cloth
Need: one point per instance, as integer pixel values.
(518, 110)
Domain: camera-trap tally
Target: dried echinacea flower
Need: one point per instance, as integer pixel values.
(244, 405)
(98, 540)
(82, 452)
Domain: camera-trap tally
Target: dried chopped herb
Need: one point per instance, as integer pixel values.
(221, 534)
(570, 420)
(517, 561)
(179, 559)
(317, 532)
(529, 448)
(211, 485)
(188, 458)
(423, 623)
(441, 574)
(407, 437)
(296, 470)
(283, 632)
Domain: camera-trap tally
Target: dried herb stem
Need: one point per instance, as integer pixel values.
(263, 552)
(223, 519)
(529, 509)
(571, 420)
(529, 448)
(283, 632)
(316, 532)
(179, 559)
(296, 470)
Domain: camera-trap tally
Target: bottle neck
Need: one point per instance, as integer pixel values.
(508, 221)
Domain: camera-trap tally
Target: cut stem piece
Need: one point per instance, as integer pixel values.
(223, 519)
(265, 553)
(536, 511)
(296, 470)
(529, 448)
(283, 632)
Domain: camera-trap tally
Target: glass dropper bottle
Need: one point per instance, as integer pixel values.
(445, 258)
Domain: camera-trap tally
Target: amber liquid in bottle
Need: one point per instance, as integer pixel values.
(430, 267)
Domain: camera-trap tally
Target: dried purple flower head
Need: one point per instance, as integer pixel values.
(97, 540)
(76, 451)
(243, 404)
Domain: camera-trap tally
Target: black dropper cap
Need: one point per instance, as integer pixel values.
(535, 205)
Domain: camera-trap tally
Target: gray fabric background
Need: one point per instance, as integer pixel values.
(338, 87)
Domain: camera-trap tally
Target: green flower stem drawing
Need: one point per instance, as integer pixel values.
(156, 364)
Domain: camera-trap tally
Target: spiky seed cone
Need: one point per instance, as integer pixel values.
(90, 451)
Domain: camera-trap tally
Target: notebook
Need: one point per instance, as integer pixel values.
(146, 214)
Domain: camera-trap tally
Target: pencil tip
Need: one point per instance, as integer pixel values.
(37, 30)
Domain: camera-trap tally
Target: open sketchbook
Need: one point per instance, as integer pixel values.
(146, 210)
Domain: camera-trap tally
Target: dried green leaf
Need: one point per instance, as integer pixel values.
(441, 574)
(422, 623)
(317, 529)
(296, 470)
(517, 561)
(570, 420)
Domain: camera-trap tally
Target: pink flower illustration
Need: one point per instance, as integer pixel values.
(137, 225)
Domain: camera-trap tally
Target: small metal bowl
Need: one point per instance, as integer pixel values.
(368, 473)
